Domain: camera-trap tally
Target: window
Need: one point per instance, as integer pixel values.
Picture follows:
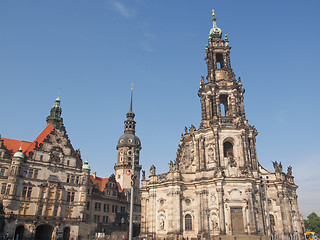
(188, 222)
(29, 192)
(72, 179)
(35, 175)
(82, 197)
(12, 170)
(223, 105)
(88, 205)
(26, 191)
(98, 218)
(116, 209)
(83, 180)
(58, 194)
(228, 149)
(55, 211)
(70, 196)
(8, 189)
(24, 209)
(104, 207)
(68, 212)
(77, 180)
(68, 162)
(41, 157)
(30, 173)
(272, 221)
(51, 193)
(97, 206)
(49, 210)
(2, 171)
(25, 172)
(40, 209)
(3, 188)
(108, 208)
(219, 59)
(113, 208)
(68, 178)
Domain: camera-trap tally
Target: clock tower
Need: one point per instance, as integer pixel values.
(129, 147)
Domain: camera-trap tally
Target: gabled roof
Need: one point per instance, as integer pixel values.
(13, 145)
(102, 183)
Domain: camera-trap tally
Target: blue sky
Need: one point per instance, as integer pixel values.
(94, 50)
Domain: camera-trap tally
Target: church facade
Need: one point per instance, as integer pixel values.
(216, 186)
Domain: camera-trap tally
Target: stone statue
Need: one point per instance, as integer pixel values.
(276, 166)
(143, 175)
(280, 167)
(289, 173)
(176, 165)
(192, 129)
(152, 170)
(171, 166)
(186, 130)
(161, 223)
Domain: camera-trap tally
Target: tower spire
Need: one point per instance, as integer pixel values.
(131, 98)
(55, 113)
(215, 32)
(130, 123)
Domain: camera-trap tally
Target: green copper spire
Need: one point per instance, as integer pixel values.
(55, 114)
(19, 154)
(215, 32)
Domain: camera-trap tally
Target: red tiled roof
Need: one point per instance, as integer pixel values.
(100, 181)
(13, 145)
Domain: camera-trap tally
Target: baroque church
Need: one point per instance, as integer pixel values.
(47, 192)
(216, 187)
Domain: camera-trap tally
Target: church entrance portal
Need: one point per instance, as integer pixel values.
(44, 232)
(237, 221)
(18, 234)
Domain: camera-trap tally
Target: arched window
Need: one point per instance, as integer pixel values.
(188, 222)
(272, 221)
(219, 59)
(223, 105)
(228, 149)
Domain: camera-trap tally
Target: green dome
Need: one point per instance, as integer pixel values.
(19, 154)
(86, 166)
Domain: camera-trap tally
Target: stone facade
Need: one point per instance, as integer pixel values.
(47, 191)
(216, 185)
(44, 184)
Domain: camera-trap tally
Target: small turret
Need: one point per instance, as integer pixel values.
(55, 114)
(19, 154)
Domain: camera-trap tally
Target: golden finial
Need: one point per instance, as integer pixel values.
(213, 14)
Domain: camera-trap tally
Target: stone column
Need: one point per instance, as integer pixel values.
(282, 210)
(252, 222)
(196, 153)
(216, 142)
(202, 153)
(221, 211)
(203, 108)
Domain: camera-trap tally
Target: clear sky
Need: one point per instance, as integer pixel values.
(93, 50)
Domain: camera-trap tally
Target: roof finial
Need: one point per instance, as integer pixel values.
(213, 14)
(131, 98)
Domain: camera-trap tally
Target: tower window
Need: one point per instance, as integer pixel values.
(219, 60)
(223, 105)
(228, 149)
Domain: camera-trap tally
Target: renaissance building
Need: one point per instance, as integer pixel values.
(47, 192)
(216, 186)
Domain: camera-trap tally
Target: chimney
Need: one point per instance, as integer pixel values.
(94, 174)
